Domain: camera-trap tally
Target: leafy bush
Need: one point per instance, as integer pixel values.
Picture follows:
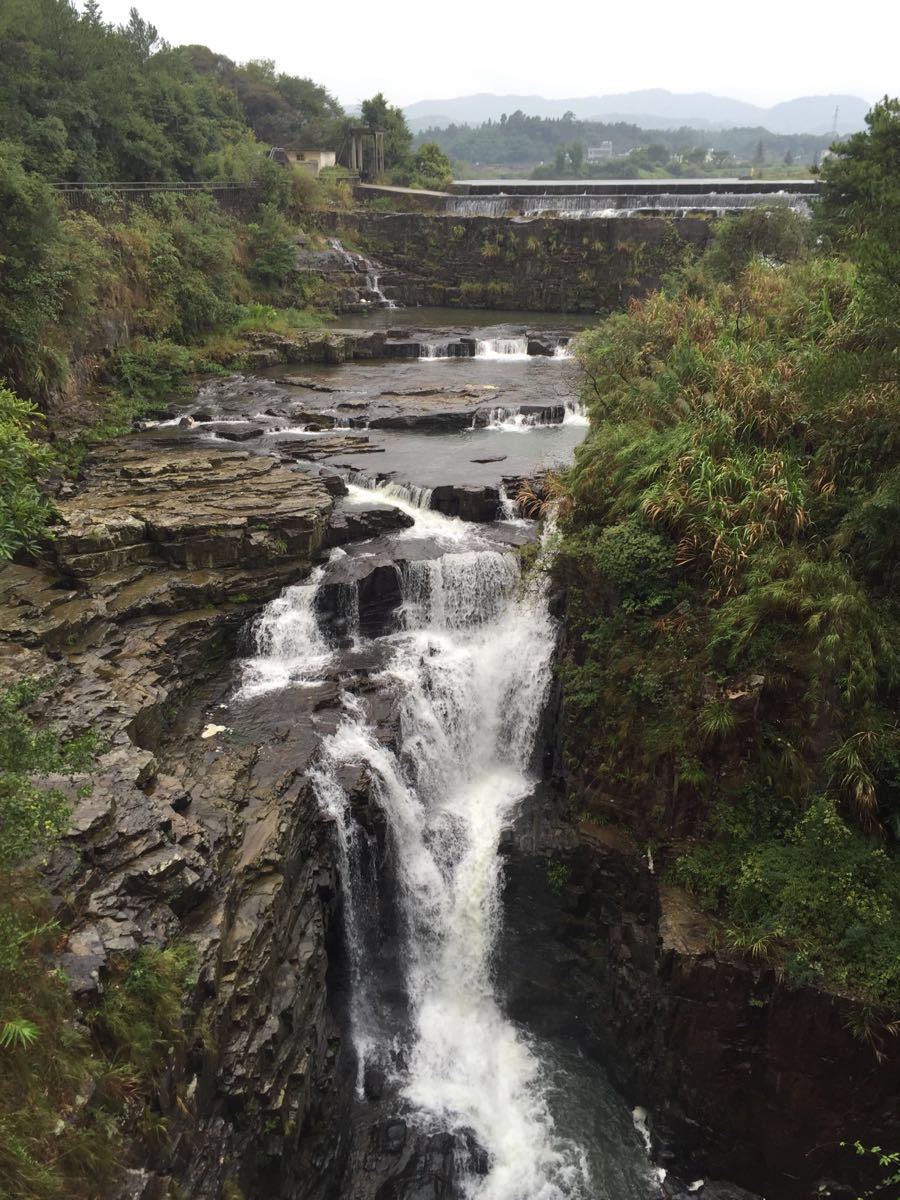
(271, 247)
(776, 233)
(638, 560)
(824, 899)
(24, 510)
(150, 370)
(738, 695)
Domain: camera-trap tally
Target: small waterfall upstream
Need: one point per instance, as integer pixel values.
(359, 264)
(470, 667)
(502, 348)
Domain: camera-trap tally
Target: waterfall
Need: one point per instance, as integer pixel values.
(575, 414)
(510, 420)
(359, 263)
(454, 349)
(408, 494)
(372, 283)
(290, 647)
(509, 508)
(480, 206)
(673, 203)
(502, 348)
(471, 669)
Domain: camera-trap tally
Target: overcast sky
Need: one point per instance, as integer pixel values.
(757, 50)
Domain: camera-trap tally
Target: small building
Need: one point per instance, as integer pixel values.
(601, 153)
(311, 160)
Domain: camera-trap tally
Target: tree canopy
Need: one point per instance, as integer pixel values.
(89, 101)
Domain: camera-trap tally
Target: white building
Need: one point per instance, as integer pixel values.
(601, 153)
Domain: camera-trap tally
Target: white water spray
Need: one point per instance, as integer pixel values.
(502, 348)
(290, 647)
(471, 667)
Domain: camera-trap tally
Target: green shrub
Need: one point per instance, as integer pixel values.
(824, 899)
(744, 440)
(142, 1010)
(638, 561)
(148, 370)
(24, 510)
(775, 232)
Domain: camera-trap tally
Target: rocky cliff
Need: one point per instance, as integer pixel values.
(744, 1077)
(188, 831)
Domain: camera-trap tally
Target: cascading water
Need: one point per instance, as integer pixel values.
(502, 348)
(510, 420)
(290, 647)
(404, 495)
(509, 508)
(360, 264)
(471, 668)
(373, 283)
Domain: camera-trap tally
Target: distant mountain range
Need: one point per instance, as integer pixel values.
(654, 108)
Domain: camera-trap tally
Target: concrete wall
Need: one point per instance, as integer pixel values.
(547, 264)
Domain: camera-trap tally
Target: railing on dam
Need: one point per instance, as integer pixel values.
(91, 194)
(626, 187)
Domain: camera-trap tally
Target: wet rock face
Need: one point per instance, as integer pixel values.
(744, 1078)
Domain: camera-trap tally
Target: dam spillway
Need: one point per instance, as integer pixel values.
(621, 198)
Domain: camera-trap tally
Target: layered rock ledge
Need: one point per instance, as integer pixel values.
(160, 558)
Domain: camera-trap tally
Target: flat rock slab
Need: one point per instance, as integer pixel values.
(190, 507)
(315, 447)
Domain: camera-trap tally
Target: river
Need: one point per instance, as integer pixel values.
(463, 661)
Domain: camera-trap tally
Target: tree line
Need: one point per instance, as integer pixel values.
(528, 141)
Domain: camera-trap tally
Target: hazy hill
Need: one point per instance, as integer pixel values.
(652, 108)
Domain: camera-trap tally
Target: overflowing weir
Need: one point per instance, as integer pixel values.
(502, 348)
(678, 204)
(470, 666)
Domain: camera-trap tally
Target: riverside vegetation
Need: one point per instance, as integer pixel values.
(731, 553)
(729, 535)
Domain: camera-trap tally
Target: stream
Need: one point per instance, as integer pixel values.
(457, 1099)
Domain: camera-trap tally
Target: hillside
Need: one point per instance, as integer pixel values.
(652, 107)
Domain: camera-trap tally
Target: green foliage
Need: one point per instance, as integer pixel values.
(776, 233)
(518, 138)
(431, 167)
(736, 678)
(19, 1033)
(557, 876)
(377, 113)
(33, 274)
(145, 369)
(858, 210)
(142, 1010)
(888, 1161)
(24, 511)
(271, 247)
(32, 816)
(637, 560)
(824, 899)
